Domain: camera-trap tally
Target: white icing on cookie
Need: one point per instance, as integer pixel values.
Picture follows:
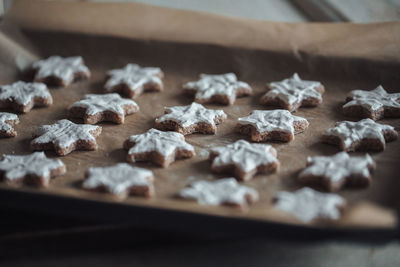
(350, 132)
(62, 68)
(272, 120)
(64, 133)
(210, 85)
(35, 164)
(118, 179)
(6, 122)
(134, 76)
(192, 114)
(244, 155)
(223, 191)
(338, 168)
(165, 143)
(94, 103)
(293, 90)
(24, 93)
(307, 204)
(373, 100)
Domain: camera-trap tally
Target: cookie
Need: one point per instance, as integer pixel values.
(22, 96)
(243, 159)
(120, 180)
(34, 169)
(307, 204)
(132, 80)
(160, 147)
(375, 104)
(65, 136)
(223, 89)
(194, 118)
(59, 71)
(362, 135)
(293, 93)
(108, 107)
(275, 125)
(334, 172)
(7, 121)
(225, 191)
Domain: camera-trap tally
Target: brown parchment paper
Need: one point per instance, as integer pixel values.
(184, 44)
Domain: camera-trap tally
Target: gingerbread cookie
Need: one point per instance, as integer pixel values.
(307, 204)
(375, 104)
(132, 80)
(362, 135)
(194, 118)
(223, 89)
(225, 191)
(276, 125)
(121, 180)
(22, 97)
(34, 169)
(160, 147)
(108, 107)
(65, 136)
(243, 159)
(293, 93)
(7, 121)
(59, 71)
(336, 171)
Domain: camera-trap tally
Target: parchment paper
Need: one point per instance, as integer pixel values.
(184, 44)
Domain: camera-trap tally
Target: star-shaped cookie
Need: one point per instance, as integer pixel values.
(7, 121)
(60, 71)
(225, 191)
(121, 180)
(132, 80)
(243, 159)
(277, 125)
(375, 104)
(362, 135)
(334, 172)
(22, 96)
(293, 93)
(160, 147)
(307, 204)
(34, 169)
(194, 118)
(107, 107)
(65, 136)
(223, 89)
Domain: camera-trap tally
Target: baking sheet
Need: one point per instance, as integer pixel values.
(364, 57)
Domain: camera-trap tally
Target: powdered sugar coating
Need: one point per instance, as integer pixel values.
(118, 179)
(244, 155)
(272, 120)
(192, 114)
(350, 132)
(36, 164)
(62, 68)
(335, 170)
(64, 133)
(165, 143)
(135, 77)
(98, 103)
(24, 93)
(210, 85)
(223, 191)
(7, 120)
(307, 204)
(373, 100)
(294, 90)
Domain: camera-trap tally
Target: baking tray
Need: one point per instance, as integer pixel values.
(370, 210)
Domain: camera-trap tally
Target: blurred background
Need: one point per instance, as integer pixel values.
(360, 11)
